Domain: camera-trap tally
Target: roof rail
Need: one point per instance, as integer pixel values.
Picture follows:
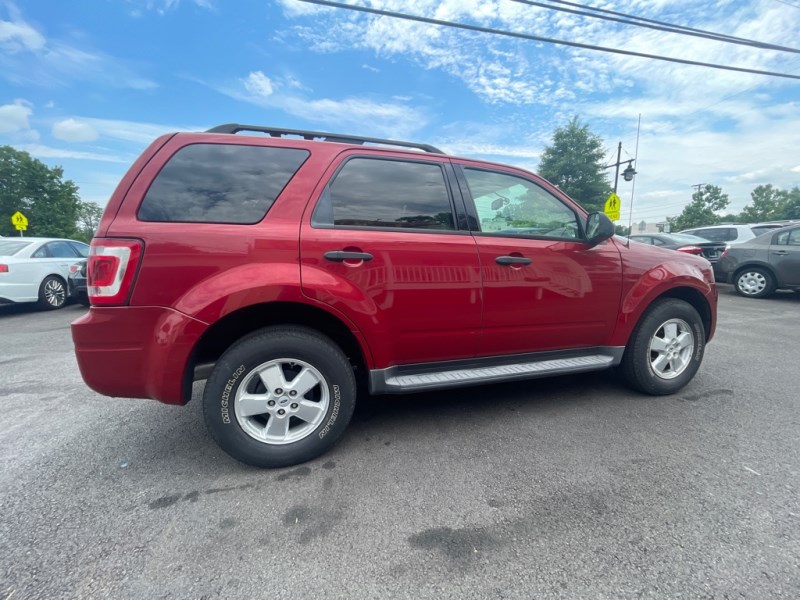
(326, 137)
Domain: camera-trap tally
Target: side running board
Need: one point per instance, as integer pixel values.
(418, 378)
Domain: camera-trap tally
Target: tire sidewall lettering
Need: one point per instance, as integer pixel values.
(337, 401)
(225, 402)
(698, 335)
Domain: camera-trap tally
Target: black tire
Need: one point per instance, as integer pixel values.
(236, 373)
(52, 293)
(754, 282)
(637, 366)
(83, 300)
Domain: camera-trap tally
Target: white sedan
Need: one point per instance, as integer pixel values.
(36, 269)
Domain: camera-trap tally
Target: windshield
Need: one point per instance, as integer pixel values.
(10, 248)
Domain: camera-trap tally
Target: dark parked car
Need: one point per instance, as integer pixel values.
(684, 242)
(769, 262)
(77, 283)
(286, 267)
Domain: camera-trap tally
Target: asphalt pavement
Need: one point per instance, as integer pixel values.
(573, 487)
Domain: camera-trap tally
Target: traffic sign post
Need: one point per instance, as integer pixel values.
(20, 222)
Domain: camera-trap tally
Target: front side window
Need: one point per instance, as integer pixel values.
(510, 205)
(220, 183)
(370, 192)
(81, 249)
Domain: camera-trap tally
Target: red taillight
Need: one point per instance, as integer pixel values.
(3, 268)
(74, 268)
(725, 252)
(111, 270)
(691, 250)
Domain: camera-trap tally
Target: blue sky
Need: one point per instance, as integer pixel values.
(87, 85)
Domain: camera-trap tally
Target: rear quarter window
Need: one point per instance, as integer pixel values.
(220, 183)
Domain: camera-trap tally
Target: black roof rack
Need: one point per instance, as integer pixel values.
(313, 135)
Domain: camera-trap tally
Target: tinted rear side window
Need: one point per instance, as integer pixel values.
(387, 193)
(220, 183)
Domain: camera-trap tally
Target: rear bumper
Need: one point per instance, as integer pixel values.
(137, 351)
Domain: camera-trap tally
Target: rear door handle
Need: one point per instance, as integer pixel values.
(340, 255)
(512, 260)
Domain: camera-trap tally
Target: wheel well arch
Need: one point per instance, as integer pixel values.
(696, 299)
(56, 275)
(232, 327)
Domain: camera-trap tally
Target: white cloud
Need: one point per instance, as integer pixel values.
(162, 7)
(14, 117)
(43, 151)
(258, 84)
(29, 58)
(349, 115)
(134, 131)
(70, 130)
(19, 36)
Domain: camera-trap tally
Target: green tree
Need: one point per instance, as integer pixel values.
(622, 230)
(702, 210)
(768, 204)
(39, 192)
(574, 162)
(89, 215)
(791, 209)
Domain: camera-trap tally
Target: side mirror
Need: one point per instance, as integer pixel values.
(598, 228)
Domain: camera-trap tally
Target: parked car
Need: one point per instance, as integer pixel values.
(36, 269)
(731, 234)
(286, 267)
(767, 263)
(77, 283)
(684, 242)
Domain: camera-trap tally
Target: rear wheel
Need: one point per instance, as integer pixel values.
(52, 293)
(666, 348)
(279, 397)
(754, 282)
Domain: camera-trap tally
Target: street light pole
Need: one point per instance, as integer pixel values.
(629, 172)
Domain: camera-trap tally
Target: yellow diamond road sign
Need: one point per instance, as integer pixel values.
(19, 221)
(612, 207)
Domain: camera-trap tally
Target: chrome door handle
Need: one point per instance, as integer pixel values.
(512, 260)
(341, 255)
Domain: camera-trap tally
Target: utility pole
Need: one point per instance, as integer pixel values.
(699, 186)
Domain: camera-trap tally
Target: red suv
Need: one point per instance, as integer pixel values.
(285, 268)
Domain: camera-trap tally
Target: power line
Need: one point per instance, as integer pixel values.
(788, 3)
(536, 38)
(657, 25)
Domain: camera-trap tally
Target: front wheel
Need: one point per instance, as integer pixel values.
(279, 397)
(666, 348)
